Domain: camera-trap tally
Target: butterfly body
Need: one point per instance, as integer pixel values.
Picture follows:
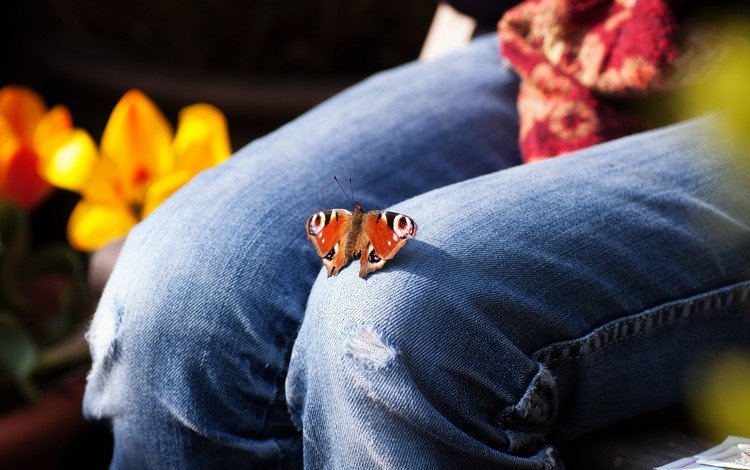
(339, 236)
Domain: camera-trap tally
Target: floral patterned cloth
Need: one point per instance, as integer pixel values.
(573, 56)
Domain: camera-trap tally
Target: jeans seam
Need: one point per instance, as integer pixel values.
(282, 371)
(670, 313)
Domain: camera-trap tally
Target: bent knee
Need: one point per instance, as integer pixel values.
(411, 345)
(187, 337)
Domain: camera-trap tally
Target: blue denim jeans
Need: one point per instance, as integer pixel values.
(538, 302)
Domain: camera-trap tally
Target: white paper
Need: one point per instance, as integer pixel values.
(725, 455)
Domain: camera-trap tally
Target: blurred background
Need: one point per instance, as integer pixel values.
(260, 62)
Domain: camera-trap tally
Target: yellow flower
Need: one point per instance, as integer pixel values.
(29, 134)
(138, 165)
(724, 84)
(719, 397)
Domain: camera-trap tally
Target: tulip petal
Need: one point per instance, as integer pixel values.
(55, 123)
(24, 186)
(23, 109)
(103, 185)
(202, 139)
(9, 144)
(92, 225)
(70, 165)
(137, 142)
(162, 188)
(53, 129)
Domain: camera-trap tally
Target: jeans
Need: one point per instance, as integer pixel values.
(538, 301)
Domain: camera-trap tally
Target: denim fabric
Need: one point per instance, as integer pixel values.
(538, 301)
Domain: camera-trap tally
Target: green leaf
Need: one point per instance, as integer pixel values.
(69, 351)
(14, 241)
(17, 350)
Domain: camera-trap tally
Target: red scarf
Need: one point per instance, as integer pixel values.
(572, 55)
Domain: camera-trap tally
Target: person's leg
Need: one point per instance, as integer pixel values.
(537, 302)
(192, 335)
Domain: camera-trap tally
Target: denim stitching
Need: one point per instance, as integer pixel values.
(645, 322)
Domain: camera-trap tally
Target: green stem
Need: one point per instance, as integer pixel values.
(52, 362)
(71, 351)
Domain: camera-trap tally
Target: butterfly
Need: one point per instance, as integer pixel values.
(339, 236)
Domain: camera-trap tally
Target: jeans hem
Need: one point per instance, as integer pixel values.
(667, 314)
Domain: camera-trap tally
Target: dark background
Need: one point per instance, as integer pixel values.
(262, 62)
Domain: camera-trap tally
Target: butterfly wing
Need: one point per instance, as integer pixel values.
(383, 234)
(329, 233)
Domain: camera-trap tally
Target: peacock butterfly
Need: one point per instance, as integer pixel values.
(339, 236)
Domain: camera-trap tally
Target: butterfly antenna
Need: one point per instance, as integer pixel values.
(342, 189)
(351, 188)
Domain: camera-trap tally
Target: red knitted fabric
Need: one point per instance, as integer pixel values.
(574, 54)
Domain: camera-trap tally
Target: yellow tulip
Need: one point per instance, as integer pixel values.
(139, 164)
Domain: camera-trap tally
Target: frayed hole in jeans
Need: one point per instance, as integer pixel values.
(103, 329)
(368, 346)
(527, 423)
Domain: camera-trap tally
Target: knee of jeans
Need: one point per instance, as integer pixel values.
(184, 333)
(395, 345)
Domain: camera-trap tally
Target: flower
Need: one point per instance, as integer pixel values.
(138, 165)
(717, 396)
(29, 134)
(719, 81)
